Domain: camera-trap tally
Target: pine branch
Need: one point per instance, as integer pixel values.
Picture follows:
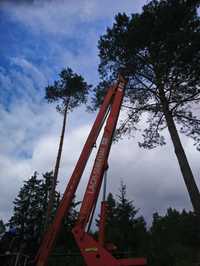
(188, 99)
(144, 59)
(188, 118)
(147, 87)
(143, 108)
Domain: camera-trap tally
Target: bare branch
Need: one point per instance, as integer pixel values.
(143, 108)
(188, 99)
(147, 87)
(156, 129)
(139, 55)
(188, 118)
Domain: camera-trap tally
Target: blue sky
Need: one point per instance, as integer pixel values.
(37, 40)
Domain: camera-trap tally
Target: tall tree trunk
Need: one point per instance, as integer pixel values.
(56, 170)
(181, 156)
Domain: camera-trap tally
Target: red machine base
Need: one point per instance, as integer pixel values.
(96, 255)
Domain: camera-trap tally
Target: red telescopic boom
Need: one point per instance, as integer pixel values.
(63, 208)
(93, 251)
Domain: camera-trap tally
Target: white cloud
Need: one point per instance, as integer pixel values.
(30, 71)
(13, 172)
(65, 17)
(60, 22)
(29, 136)
(153, 178)
(22, 81)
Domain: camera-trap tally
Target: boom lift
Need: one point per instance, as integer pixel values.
(94, 252)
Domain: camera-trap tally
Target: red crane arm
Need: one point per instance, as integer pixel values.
(94, 252)
(50, 236)
(100, 163)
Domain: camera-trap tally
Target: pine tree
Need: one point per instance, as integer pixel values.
(27, 214)
(123, 228)
(70, 91)
(128, 237)
(30, 207)
(66, 238)
(111, 222)
(158, 51)
(65, 241)
(2, 227)
(174, 239)
(45, 190)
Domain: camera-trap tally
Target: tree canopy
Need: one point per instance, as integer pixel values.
(70, 90)
(158, 52)
(157, 48)
(124, 228)
(172, 239)
(30, 210)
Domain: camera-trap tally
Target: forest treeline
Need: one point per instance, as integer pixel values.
(171, 239)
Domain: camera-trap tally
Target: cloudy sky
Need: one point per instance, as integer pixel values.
(38, 38)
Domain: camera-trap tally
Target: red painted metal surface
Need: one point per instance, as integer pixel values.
(97, 173)
(95, 255)
(50, 236)
(130, 262)
(102, 222)
(93, 251)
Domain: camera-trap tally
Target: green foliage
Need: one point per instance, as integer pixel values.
(158, 51)
(127, 240)
(70, 90)
(65, 235)
(175, 239)
(172, 239)
(66, 251)
(30, 210)
(99, 91)
(124, 228)
(2, 227)
(30, 207)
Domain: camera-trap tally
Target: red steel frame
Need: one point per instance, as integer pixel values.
(93, 251)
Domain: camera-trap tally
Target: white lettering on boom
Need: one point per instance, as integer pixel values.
(98, 166)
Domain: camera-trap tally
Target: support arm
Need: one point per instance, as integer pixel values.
(53, 230)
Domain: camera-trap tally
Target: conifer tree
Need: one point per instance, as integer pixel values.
(158, 51)
(174, 239)
(124, 228)
(132, 228)
(26, 214)
(30, 210)
(2, 227)
(70, 91)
